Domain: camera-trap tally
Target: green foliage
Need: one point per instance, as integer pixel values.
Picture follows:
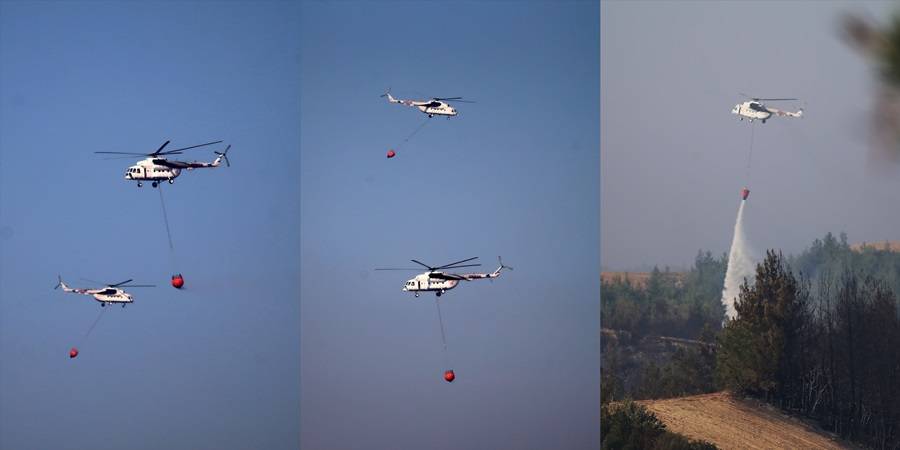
(828, 257)
(689, 372)
(629, 426)
(611, 388)
(669, 304)
(672, 441)
(758, 349)
(835, 357)
(890, 55)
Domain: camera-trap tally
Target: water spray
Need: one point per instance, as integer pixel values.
(740, 261)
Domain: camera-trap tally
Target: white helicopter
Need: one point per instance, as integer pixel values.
(109, 294)
(753, 109)
(439, 282)
(434, 107)
(156, 168)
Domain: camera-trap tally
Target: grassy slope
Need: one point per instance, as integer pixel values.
(732, 423)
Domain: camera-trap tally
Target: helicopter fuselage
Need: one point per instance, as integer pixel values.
(113, 295)
(437, 109)
(752, 111)
(150, 170)
(104, 295)
(425, 283)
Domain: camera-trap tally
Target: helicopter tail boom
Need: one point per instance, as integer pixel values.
(391, 98)
(779, 112)
(63, 285)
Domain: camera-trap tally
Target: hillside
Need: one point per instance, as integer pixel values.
(731, 423)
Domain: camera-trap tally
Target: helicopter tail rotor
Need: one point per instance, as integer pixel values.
(496, 273)
(390, 97)
(224, 155)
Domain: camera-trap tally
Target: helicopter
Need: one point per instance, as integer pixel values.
(156, 168)
(753, 109)
(435, 106)
(109, 294)
(439, 282)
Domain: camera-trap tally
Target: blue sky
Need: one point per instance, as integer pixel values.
(515, 174)
(216, 365)
(250, 356)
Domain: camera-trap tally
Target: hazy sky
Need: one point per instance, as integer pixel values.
(673, 157)
(515, 174)
(216, 365)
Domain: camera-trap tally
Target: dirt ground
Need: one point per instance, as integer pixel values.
(734, 423)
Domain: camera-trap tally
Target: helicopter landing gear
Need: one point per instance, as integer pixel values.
(123, 306)
(140, 184)
(438, 293)
(103, 305)
(154, 184)
(171, 181)
(417, 295)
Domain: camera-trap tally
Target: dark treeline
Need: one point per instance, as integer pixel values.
(668, 304)
(829, 349)
(817, 334)
(830, 256)
(682, 305)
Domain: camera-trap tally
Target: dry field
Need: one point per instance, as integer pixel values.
(638, 279)
(734, 423)
(893, 246)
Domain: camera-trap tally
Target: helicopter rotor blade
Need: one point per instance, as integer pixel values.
(766, 99)
(124, 153)
(119, 157)
(120, 283)
(457, 267)
(397, 268)
(136, 285)
(161, 147)
(447, 98)
(423, 265)
(170, 152)
(447, 266)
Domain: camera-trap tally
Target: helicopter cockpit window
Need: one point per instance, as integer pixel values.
(757, 107)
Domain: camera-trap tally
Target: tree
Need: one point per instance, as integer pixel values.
(761, 350)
